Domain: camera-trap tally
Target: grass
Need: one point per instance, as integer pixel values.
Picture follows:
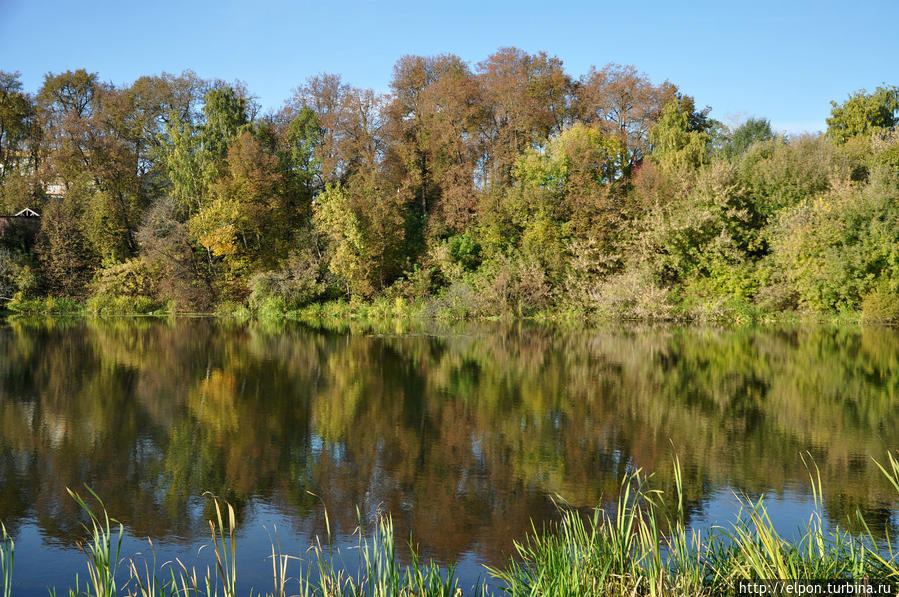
(641, 547)
(629, 553)
(7, 551)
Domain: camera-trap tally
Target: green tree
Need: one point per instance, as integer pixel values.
(366, 225)
(66, 261)
(196, 154)
(579, 167)
(303, 165)
(751, 131)
(681, 137)
(864, 113)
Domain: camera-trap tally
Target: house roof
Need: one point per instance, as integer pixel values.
(27, 212)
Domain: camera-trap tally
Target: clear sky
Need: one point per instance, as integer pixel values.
(783, 60)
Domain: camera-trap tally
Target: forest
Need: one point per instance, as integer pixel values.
(504, 188)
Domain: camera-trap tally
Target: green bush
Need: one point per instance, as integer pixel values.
(9, 273)
(126, 287)
(780, 174)
(880, 305)
(834, 249)
(296, 283)
(44, 305)
(107, 304)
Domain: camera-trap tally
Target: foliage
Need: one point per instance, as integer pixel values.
(9, 273)
(780, 173)
(837, 248)
(512, 284)
(880, 305)
(66, 261)
(366, 225)
(713, 228)
(295, 284)
(754, 130)
(680, 137)
(127, 287)
(864, 113)
(505, 186)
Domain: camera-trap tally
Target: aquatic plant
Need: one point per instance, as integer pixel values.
(641, 546)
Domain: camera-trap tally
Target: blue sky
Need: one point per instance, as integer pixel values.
(783, 60)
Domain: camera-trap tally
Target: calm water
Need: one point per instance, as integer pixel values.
(463, 437)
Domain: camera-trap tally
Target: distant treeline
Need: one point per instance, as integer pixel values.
(507, 187)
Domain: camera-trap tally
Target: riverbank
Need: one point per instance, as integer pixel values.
(642, 546)
(388, 313)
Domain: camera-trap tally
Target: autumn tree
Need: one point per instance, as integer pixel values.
(349, 123)
(166, 247)
(624, 103)
(18, 144)
(435, 121)
(527, 99)
(252, 188)
(101, 146)
(63, 252)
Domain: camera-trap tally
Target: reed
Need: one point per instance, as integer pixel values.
(7, 551)
(628, 553)
(102, 559)
(641, 546)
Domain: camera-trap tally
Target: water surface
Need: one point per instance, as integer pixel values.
(464, 436)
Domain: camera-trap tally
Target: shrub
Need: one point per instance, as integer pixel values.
(9, 274)
(633, 294)
(834, 249)
(295, 284)
(513, 285)
(880, 305)
(126, 287)
(780, 173)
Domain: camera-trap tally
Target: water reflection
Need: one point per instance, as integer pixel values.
(464, 437)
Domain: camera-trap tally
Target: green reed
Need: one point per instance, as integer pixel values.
(102, 559)
(642, 546)
(7, 550)
(628, 553)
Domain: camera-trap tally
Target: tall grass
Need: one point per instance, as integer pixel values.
(641, 546)
(7, 550)
(645, 548)
(102, 559)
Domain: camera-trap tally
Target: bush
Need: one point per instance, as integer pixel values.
(711, 230)
(9, 274)
(513, 285)
(126, 287)
(880, 305)
(106, 304)
(833, 250)
(633, 294)
(457, 301)
(295, 284)
(44, 305)
(781, 174)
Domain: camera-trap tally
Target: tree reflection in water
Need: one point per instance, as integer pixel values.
(463, 436)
